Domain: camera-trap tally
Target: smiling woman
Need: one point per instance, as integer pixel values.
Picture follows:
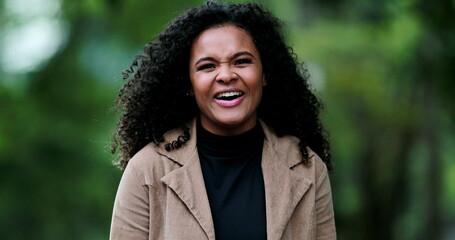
(220, 135)
(227, 79)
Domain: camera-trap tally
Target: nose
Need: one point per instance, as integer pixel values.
(225, 75)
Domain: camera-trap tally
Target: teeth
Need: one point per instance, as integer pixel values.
(228, 94)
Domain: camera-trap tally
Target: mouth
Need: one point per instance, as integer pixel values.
(229, 96)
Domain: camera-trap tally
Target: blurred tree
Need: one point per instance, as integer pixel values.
(388, 65)
(433, 64)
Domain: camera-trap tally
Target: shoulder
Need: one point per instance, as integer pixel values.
(144, 157)
(149, 165)
(314, 163)
(288, 147)
(319, 166)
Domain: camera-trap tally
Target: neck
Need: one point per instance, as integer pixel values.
(228, 145)
(228, 129)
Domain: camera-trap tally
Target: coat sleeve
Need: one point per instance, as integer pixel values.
(130, 218)
(325, 219)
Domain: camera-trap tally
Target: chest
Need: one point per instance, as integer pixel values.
(180, 207)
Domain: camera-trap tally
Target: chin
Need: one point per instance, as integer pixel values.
(229, 121)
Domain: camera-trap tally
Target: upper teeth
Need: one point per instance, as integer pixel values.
(228, 94)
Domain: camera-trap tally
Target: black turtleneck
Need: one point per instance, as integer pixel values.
(231, 166)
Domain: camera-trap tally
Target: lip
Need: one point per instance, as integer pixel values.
(231, 103)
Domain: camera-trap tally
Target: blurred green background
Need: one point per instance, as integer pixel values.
(384, 69)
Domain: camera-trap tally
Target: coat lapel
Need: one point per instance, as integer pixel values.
(283, 187)
(188, 182)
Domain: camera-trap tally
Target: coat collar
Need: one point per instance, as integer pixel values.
(283, 187)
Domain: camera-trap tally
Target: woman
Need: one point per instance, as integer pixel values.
(220, 135)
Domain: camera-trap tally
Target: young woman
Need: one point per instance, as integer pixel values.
(220, 135)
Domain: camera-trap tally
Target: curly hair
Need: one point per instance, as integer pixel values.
(154, 99)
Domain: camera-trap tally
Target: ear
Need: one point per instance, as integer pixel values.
(264, 82)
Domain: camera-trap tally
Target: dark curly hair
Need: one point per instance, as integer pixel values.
(154, 99)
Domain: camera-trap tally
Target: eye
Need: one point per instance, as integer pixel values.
(243, 61)
(205, 66)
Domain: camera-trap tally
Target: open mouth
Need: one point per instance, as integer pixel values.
(229, 96)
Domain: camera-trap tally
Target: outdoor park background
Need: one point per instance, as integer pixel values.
(384, 69)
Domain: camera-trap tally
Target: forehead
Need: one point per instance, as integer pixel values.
(224, 39)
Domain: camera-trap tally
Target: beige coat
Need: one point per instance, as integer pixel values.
(162, 194)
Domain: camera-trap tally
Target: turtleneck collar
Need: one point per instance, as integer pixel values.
(229, 146)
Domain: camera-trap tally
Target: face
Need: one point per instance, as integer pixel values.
(227, 79)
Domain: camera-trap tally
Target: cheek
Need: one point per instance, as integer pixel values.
(255, 81)
(201, 86)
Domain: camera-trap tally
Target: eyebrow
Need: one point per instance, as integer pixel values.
(235, 56)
